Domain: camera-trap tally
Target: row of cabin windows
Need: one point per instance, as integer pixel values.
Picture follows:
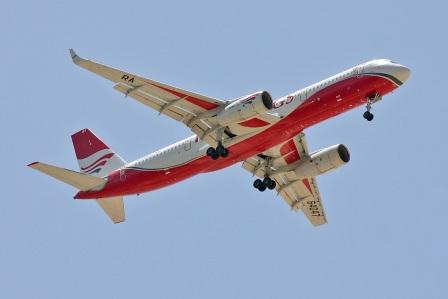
(175, 147)
(326, 83)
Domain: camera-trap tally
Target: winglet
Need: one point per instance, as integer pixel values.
(76, 59)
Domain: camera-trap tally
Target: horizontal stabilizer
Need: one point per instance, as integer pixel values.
(78, 180)
(113, 207)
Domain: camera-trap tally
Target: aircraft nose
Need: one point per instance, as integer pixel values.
(401, 72)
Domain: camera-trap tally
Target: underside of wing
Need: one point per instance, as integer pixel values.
(198, 112)
(300, 193)
(192, 109)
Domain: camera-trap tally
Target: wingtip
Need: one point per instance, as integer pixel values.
(119, 221)
(76, 59)
(33, 163)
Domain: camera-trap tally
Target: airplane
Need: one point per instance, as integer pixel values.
(266, 135)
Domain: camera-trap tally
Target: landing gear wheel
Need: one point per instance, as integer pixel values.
(211, 151)
(272, 185)
(214, 155)
(267, 181)
(219, 148)
(257, 183)
(223, 152)
(368, 115)
(262, 188)
(220, 151)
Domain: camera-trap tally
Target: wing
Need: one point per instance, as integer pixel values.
(298, 193)
(192, 109)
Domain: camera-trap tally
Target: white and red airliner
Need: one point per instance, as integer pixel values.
(266, 135)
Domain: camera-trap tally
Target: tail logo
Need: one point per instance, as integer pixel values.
(97, 165)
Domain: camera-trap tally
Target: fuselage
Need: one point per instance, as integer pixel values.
(294, 113)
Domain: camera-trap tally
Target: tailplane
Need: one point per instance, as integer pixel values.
(94, 156)
(78, 180)
(96, 160)
(112, 206)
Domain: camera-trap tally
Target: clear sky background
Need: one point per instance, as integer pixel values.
(214, 236)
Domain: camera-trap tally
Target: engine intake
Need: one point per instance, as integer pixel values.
(323, 161)
(245, 108)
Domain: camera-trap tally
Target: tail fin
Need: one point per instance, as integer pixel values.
(94, 156)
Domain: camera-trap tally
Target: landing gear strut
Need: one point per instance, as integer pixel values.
(370, 100)
(220, 150)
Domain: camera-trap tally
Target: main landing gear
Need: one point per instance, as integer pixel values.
(266, 183)
(370, 100)
(219, 151)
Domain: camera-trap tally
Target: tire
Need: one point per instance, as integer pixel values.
(262, 188)
(210, 151)
(370, 118)
(224, 152)
(257, 183)
(366, 115)
(267, 181)
(272, 185)
(215, 156)
(219, 148)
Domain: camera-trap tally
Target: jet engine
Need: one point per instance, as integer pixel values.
(323, 161)
(245, 108)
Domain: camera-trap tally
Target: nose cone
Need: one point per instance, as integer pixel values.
(401, 72)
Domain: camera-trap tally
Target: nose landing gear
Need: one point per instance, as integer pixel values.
(220, 150)
(368, 115)
(370, 100)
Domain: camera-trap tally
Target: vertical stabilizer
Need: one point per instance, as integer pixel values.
(94, 156)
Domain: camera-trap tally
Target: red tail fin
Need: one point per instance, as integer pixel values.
(94, 156)
(86, 144)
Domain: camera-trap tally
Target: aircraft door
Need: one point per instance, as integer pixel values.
(358, 70)
(187, 145)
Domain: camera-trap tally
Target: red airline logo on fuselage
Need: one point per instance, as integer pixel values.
(279, 103)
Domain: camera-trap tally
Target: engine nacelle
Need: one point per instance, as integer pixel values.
(323, 161)
(245, 108)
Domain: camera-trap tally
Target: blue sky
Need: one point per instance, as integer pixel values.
(214, 236)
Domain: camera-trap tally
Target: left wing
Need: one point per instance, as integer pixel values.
(298, 193)
(192, 109)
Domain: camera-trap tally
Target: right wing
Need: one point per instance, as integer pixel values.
(298, 193)
(192, 109)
